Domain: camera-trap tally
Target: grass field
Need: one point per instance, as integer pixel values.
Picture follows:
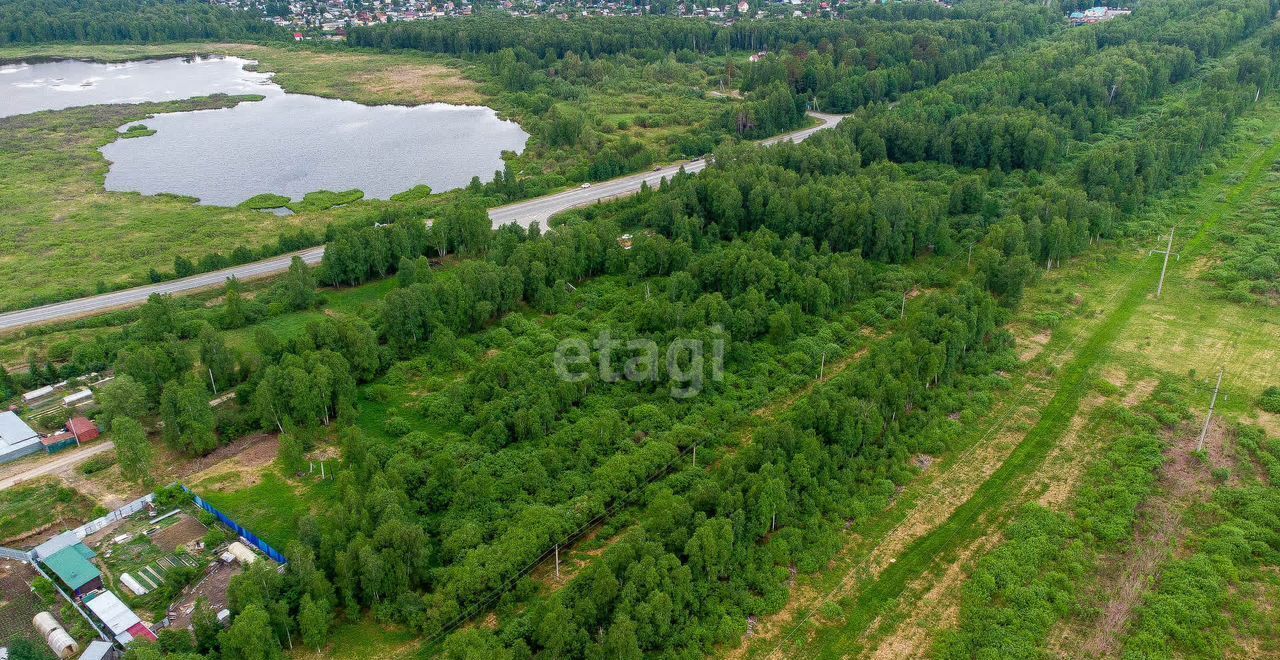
(363, 639)
(24, 509)
(269, 508)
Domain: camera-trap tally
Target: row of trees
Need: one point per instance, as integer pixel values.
(126, 21)
(985, 21)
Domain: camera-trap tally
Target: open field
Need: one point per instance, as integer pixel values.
(51, 178)
(26, 509)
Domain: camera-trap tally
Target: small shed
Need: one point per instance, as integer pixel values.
(58, 639)
(72, 567)
(37, 395)
(99, 650)
(59, 441)
(53, 545)
(242, 553)
(118, 618)
(82, 428)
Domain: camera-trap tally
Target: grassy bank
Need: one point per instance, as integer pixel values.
(368, 78)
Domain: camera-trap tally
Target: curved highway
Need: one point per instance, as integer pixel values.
(524, 213)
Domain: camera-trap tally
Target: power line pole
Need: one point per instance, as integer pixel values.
(557, 561)
(1166, 252)
(1208, 418)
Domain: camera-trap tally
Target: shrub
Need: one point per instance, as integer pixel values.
(395, 426)
(1270, 400)
(96, 464)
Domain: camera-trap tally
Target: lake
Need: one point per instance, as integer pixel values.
(287, 144)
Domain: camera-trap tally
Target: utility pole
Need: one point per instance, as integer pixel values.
(215, 385)
(904, 304)
(1208, 418)
(695, 456)
(557, 561)
(1166, 252)
(822, 366)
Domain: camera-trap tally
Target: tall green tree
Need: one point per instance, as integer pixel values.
(250, 637)
(233, 313)
(122, 397)
(218, 360)
(189, 423)
(297, 289)
(314, 618)
(133, 450)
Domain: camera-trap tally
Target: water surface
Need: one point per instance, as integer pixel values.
(69, 83)
(287, 144)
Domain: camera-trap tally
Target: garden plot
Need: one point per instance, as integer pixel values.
(183, 532)
(18, 604)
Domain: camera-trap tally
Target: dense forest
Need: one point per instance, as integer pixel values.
(551, 73)
(899, 242)
(125, 21)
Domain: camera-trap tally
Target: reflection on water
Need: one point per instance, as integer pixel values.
(287, 144)
(57, 85)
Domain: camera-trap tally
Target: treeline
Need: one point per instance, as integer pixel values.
(126, 21)
(596, 37)
(1021, 113)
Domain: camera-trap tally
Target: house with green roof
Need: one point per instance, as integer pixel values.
(71, 567)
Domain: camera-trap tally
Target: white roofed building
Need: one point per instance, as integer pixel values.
(124, 625)
(16, 438)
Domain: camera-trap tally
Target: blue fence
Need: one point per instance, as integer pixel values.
(244, 533)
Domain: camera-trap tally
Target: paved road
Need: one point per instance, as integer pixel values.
(64, 461)
(541, 209)
(523, 213)
(138, 295)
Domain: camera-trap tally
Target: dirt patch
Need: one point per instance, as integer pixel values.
(937, 607)
(1269, 423)
(1200, 265)
(185, 531)
(212, 587)
(18, 604)
(1116, 376)
(954, 483)
(106, 487)
(1140, 392)
(572, 561)
(947, 485)
(1030, 347)
(240, 466)
(1057, 479)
